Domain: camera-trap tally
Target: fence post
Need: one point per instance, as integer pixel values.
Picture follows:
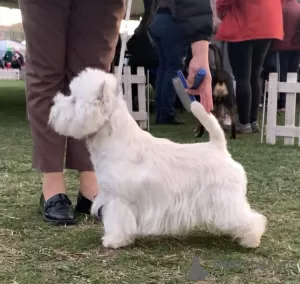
(127, 80)
(290, 107)
(127, 87)
(142, 97)
(272, 109)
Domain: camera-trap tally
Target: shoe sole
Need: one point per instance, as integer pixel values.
(60, 222)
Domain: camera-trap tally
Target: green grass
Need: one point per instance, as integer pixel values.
(33, 252)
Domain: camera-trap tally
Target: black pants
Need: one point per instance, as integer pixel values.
(289, 63)
(246, 59)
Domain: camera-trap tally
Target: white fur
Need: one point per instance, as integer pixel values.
(153, 186)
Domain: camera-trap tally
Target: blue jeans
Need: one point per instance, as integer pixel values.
(170, 45)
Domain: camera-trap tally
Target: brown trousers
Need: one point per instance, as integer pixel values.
(62, 38)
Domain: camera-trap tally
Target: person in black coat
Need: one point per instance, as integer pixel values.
(15, 63)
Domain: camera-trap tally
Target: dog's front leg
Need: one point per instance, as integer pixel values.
(120, 226)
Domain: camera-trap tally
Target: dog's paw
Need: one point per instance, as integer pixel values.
(256, 229)
(251, 241)
(115, 242)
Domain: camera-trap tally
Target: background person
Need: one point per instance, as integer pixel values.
(248, 27)
(15, 63)
(62, 39)
(289, 47)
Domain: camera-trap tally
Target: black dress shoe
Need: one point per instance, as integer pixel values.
(83, 204)
(58, 210)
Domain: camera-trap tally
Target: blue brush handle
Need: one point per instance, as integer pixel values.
(199, 77)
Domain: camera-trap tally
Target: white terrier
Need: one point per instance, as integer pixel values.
(153, 186)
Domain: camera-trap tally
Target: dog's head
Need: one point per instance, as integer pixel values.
(220, 90)
(89, 106)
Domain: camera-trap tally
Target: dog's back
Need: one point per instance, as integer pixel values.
(211, 124)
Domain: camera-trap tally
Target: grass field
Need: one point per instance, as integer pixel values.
(33, 252)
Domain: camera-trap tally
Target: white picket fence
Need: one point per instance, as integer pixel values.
(9, 74)
(141, 116)
(290, 130)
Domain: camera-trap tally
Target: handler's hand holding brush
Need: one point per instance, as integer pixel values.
(200, 60)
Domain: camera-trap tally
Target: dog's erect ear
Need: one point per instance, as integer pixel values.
(107, 95)
(108, 88)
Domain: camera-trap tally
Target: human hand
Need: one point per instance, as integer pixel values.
(200, 60)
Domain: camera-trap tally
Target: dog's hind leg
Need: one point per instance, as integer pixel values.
(229, 212)
(120, 226)
(251, 235)
(245, 225)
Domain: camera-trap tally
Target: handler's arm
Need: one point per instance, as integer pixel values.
(195, 18)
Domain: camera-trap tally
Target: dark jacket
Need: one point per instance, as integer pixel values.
(140, 48)
(16, 64)
(194, 17)
(8, 56)
(291, 26)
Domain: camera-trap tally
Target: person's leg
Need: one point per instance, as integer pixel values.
(284, 59)
(289, 63)
(45, 25)
(240, 57)
(173, 46)
(294, 62)
(269, 66)
(45, 30)
(260, 49)
(92, 38)
(154, 32)
(172, 51)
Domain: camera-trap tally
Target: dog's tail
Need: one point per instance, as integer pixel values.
(211, 124)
